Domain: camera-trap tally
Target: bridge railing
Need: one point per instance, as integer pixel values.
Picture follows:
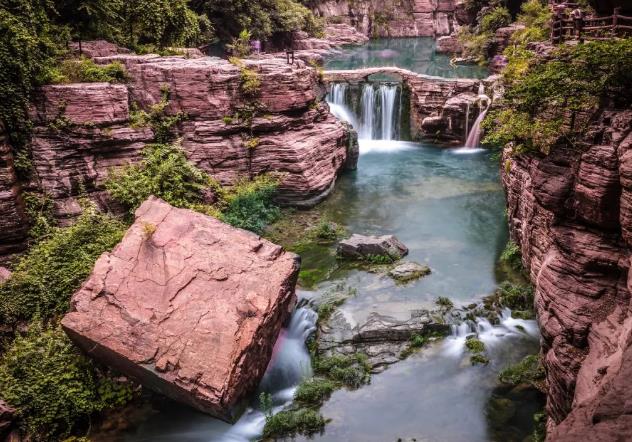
(591, 28)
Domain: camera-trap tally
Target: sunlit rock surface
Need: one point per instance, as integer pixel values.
(186, 305)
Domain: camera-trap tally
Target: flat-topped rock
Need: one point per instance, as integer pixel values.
(361, 247)
(186, 305)
(408, 271)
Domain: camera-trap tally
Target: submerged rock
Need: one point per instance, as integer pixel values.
(363, 247)
(382, 338)
(187, 305)
(408, 271)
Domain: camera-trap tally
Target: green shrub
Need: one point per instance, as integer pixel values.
(163, 172)
(40, 210)
(352, 371)
(544, 98)
(249, 204)
(495, 19)
(479, 359)
(475, 45)
(475, 345)
(85, 70)
(53, 269)
(53, 387)
(240, 46)
(527, 371)
(512, 256)
(379, 259)
(515, 297)
(536, 17)
(314, 391)
(326, 231)
(292, 422)
(444, 302)
(161, 124)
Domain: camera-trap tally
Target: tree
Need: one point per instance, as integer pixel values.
(90, 18)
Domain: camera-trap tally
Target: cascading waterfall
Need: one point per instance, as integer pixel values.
(489, 334)
(379, 109)
(290, 364)
(388, 96)
(474, 135)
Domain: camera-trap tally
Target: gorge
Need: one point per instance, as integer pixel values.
(337, 228)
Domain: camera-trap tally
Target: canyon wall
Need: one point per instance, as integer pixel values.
(571, 214)
(396, 18)
(83, 131)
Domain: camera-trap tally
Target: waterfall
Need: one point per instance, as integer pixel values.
(290, 364)
(474, 134)
(474, 137)
(337, 100)
(365, 131)
(388, 95)
(379, 109)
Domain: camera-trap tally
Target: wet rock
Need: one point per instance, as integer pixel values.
(449, 44)
(381, 338)
(189, 307)
(408, 271)
(4, 274)
(363, 247)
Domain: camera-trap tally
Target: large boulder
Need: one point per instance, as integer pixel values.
(361, 247)
(186, 305)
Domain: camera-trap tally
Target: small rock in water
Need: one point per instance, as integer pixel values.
(408, 271)
(363, 247)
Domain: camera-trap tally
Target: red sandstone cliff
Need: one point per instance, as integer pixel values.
(571, 214)
(82, 131)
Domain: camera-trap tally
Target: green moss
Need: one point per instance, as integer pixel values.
(352, 371)
(292, 422)
(515, 297)
(527, 371)
(512, 256)
(444, 302)
(249, 204)
(85, 70)
(314, 391)
(326, 231)
(479, 359)
(539, 424)
(45, 278)
(475, 345)
(379, 259)
(163, 172)
(54, 388)
(495, 19)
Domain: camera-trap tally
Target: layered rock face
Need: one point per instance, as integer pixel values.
(13, 224)
(396, 18)
(571, 214)
(83, 131)
(441, 109)
(186, 305)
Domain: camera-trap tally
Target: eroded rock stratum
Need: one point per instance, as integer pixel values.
(186, 305)
(571, 214)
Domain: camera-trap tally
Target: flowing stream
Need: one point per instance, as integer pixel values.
(448, 209)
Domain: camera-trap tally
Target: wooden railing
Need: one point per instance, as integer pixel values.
(591, 28)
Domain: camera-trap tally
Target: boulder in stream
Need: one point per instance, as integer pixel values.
(364, 247)
(186, 305)
(407, 271)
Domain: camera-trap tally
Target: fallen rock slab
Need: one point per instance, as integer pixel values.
(408, 271)
(187, 305)
(363, 247)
